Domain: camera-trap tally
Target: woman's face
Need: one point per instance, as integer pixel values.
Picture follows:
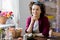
(36, 10)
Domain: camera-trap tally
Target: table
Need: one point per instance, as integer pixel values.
(50, 38)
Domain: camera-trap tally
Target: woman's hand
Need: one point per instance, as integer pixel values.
(33, 19)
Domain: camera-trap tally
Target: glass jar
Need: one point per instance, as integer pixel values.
(8, 35)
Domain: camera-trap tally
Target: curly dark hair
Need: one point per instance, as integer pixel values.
(42, 7)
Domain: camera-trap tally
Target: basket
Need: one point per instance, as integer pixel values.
(3, 19)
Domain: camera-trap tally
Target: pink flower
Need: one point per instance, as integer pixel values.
(6, 14)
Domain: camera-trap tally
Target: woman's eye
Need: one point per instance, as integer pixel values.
(37, 9)
(33, 9)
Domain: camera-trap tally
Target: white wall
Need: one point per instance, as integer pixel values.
(15, 4)
(24, 12)
(0, 4)
(7, 5)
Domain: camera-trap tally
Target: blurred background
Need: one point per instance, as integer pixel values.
(21, 11)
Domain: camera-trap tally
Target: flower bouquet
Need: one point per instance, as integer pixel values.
(4, 15)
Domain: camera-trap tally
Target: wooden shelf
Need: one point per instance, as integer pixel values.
(50, 4)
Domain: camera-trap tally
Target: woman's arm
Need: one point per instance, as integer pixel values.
(46, 26)
(38, 34)
(30, 28)
(30, 24)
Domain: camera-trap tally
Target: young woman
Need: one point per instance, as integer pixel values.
(38, 22)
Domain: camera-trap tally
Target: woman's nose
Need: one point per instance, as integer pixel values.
(35, 11)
